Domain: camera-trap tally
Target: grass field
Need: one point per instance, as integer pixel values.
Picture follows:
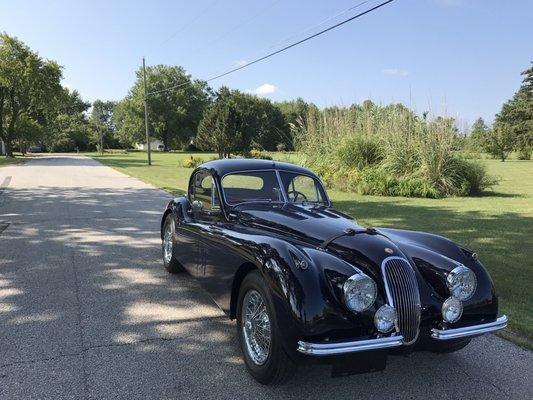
(498, 226)
(19, 158)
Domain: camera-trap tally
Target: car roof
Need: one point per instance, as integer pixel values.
(229, 165)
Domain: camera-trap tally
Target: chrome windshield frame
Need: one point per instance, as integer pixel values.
(277, 171)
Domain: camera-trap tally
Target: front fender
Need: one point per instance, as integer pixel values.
(308, 297)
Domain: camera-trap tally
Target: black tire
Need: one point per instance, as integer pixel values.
(172, 265)
(449, 346)
(278, 367)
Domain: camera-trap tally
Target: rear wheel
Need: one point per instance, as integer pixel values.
(171, 264)
(259, 337)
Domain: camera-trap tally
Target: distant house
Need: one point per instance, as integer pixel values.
(154, 145)
(2, 148)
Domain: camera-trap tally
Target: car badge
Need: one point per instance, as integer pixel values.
(389, 250)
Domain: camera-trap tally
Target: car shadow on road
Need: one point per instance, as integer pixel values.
(81, 276)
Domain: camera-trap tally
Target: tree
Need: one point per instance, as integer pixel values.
(518, 114)
(261, 121)
(103, 127)
(221, 127)
(255, 122)
(500, 141)
(176, 104)
(477, 137)
(29, 86)
(66, 125)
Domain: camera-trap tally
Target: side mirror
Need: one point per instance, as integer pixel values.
(197, 206)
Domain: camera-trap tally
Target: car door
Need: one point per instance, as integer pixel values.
(204, 220)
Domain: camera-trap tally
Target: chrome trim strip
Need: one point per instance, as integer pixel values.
(329, 349)
(473, 330)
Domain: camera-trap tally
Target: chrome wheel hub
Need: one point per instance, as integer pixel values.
(256, 327)
(167, 243)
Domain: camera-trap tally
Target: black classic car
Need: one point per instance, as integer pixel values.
(306, 282)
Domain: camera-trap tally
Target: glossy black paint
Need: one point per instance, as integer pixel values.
(220, 247)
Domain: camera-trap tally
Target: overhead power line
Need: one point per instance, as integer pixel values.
(187, 25)
(280, 50)
(308, 29)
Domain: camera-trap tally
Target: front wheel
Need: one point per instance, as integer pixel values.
(259, 337)
(171, 264)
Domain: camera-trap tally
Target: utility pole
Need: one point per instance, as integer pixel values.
(146, 115)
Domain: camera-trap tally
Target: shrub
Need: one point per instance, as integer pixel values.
(475, 178)
(281, 147)
(524, 153)
(389, 151)
(191, 162)
(360, 152)
(254, 153)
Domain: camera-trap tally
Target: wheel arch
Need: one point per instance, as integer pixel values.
(165, 214)
(238, 278)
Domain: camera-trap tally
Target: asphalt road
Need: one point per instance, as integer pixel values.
(87, 310)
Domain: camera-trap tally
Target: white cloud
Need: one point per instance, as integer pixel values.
(265, 89)
(395, 71)
(241, 63)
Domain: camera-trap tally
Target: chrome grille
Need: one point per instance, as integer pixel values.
(403, 294)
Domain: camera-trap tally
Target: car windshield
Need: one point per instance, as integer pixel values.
(264, 186)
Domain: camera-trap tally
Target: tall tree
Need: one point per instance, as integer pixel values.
(518, 114)
(176, 104)
(28, 86)
(220, 128)
(255, 123)
(67, 125)
(103, 127)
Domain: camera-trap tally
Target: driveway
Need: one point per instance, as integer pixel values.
(87, 310)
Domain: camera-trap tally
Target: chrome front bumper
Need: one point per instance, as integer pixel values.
(329, 349)
(473, 330)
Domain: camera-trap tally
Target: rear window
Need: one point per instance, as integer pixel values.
(246, 187)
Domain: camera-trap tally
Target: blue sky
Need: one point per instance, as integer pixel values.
(459, 57)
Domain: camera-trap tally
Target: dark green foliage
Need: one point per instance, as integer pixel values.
(237, 121)
(500, 141)
(517, 115)
(174, 114)
(29, 92)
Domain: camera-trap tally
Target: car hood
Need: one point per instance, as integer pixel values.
(316, 224)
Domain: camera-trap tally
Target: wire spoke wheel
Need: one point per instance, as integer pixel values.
(256, 327)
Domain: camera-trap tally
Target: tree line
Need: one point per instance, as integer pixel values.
(36, 109)
(185, 113)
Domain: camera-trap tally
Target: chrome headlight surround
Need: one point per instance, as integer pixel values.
(360, 292)
(461, 282)
(386, 318)
(452, 310)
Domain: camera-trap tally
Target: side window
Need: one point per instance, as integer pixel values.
(204, 190)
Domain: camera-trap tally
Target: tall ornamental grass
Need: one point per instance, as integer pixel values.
(371, 149)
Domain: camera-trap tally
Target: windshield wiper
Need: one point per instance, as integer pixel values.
(347, 232)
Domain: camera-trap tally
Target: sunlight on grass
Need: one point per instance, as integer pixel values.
(498, 225)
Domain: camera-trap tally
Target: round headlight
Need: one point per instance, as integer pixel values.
(359, 292)
(462, 282)
(385, 318)
(452, 309)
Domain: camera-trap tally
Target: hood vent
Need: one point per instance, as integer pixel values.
(403, 294)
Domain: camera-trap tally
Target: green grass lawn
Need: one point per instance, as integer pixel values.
(19, 158)
(498, 225)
